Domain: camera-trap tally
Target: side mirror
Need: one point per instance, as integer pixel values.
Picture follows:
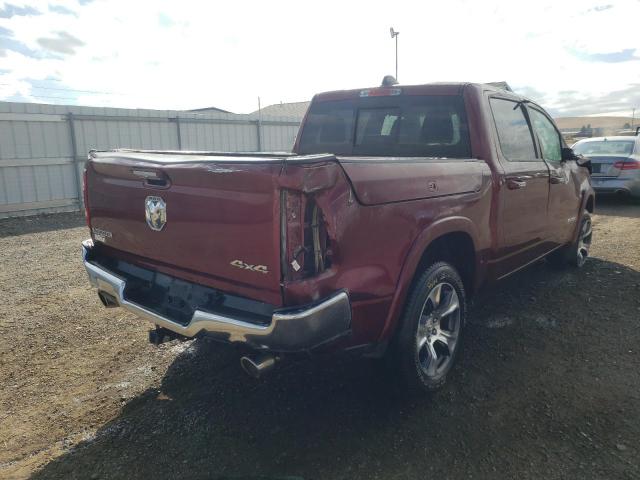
(582, 161)
(568, 154)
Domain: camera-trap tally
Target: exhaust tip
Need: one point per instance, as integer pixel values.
(257, 365)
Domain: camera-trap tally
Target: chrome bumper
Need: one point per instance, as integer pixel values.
(291, 329)
(630, 186)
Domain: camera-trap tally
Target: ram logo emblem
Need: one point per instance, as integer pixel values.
(155, 211)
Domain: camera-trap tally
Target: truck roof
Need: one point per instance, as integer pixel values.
(434, 88)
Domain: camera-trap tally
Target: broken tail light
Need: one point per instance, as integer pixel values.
(305, 243)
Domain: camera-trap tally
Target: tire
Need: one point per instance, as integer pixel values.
(427, 329)
(576, 253)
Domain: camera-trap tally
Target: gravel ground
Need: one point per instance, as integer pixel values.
(548, 385)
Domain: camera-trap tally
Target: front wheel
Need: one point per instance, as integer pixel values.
(429, 338)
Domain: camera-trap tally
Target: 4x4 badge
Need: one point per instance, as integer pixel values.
(247, 266)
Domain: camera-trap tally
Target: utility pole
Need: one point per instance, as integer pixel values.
(633, 117)
(395, 34)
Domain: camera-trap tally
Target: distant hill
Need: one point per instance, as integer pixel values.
(607, 123)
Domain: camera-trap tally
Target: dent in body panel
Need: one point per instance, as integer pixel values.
(378, 181)
(373, 244)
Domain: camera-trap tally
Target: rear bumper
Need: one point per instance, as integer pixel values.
(290, 329)
(630, 186)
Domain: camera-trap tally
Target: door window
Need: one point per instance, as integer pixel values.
(548, 136)
(516, 141)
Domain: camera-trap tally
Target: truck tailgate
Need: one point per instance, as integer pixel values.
(213, 217)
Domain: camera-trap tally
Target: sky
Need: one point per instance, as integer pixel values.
(573, 57)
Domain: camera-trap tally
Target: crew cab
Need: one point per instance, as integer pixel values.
(397, 204)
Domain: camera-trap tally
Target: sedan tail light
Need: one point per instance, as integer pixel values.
(627, 165)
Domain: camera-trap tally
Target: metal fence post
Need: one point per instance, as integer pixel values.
(178, 132)
(75, 157)
(259, 127)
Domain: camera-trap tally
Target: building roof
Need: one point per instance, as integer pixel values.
(208, 110)
(291, 109)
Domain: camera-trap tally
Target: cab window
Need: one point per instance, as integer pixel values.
(516, 141)
(548, 136)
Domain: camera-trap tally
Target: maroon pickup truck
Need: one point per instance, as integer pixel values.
(396, 205)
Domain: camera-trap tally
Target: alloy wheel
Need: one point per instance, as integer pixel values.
(438, 330)
(584, 242)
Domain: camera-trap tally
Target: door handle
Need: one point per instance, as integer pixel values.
(515, 183)
(556, 180)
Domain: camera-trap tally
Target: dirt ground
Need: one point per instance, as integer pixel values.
(548, 385)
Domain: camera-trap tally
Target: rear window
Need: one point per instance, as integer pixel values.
(404, 126)
(609, 147)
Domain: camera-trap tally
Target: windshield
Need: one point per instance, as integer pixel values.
(608, 147)
(430, 126)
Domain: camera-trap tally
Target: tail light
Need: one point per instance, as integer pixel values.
(85, 197)
(305, 243)
(627, 165)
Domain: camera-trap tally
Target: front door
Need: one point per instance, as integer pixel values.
(524, 189)
(564, 193)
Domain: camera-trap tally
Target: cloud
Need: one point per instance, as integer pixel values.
(531, 93)
(179, 55)
(165, 20)
(61, 9)
(576, 104)
(9, 10)
(63, 42)
(10, 43)
(625, 55)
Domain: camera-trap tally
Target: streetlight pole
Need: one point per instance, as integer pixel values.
(633, 117)
(395, 34)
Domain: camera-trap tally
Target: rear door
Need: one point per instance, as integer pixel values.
(524, 188)
(564, 194)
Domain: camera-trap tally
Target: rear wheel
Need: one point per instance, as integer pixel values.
(429, 338)
(576, 253)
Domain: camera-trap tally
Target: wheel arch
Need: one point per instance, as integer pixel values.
(589, 205)
(453, 239)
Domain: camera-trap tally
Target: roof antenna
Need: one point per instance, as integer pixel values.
(389, 81)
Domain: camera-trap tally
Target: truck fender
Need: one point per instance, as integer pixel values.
(587, 194)
(412, 259)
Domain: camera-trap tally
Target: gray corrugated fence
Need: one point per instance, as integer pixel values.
(43, 147)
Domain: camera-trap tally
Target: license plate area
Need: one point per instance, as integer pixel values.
(177, 299)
